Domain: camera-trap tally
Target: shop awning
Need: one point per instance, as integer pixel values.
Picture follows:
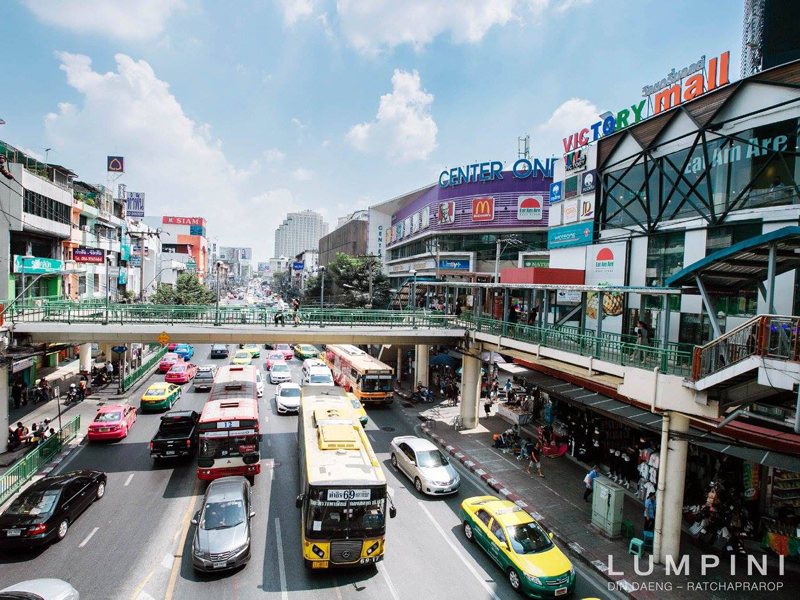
(644, 419)
(512, 368)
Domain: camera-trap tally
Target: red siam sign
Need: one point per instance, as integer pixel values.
(182, 220)
(483, 208)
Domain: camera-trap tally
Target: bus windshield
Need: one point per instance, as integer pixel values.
(341, 519)
(221, 444)
(373, 384)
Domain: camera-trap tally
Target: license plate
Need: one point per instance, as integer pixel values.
(220, 565)
(319, 564)
(561, 591)
(170, 452)
(14, 532)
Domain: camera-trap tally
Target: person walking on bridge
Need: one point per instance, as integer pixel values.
(280, 307)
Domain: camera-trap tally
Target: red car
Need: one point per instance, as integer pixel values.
(168, 361)
(272, 357)
(171, 346)
(112, 422)
(288, 351)
(181, 373)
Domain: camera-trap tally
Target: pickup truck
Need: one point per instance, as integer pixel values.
(176, 436)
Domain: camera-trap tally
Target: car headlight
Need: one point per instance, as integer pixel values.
(242, 548)
(199, 553)
(533, 579)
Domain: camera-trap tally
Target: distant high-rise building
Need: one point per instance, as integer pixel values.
(299, 231)
(769, 34)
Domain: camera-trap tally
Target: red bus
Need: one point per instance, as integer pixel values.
(229, 434)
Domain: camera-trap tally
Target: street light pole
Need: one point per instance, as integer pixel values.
(108, 285)
(322, 289)
(497, 260)
(414, 289)
(216, 308)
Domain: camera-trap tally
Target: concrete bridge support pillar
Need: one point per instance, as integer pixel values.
(86, 357)
(470, 391)
(421, 358)
(5, 395)
(398, 375)
(670, 499)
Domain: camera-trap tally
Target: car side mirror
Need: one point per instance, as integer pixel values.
(252, 514)
(551, 535)
(299, 500)
(502, 545)
(196, 518)
(392, 512)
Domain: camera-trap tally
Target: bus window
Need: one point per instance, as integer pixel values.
(338, 521)
(233, 445)
(375, 385)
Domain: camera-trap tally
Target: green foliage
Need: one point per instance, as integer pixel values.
(187, 291)
(351, 276)
(283, 285)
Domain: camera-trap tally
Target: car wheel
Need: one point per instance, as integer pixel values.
(418, 485)
(468, 533)
(394, 460)
(513, 579)
(100, 491)
(61, 532)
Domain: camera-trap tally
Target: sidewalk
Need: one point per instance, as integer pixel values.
(556, 501)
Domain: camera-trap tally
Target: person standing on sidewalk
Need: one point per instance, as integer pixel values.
(588, 481)
(16, 392)
(650, 512)
(487, 406)
(536, 459)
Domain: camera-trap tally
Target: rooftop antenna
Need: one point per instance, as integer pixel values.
(524, 146)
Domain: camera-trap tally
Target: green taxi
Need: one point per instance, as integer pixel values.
(304, 351)
(160, 396)
(534, 565)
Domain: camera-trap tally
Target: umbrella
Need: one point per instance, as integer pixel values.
(458, 372)
(494, 357)
(443, 359)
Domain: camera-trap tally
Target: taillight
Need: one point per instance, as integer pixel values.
(37, 529)
(151, 446)
(188, 443)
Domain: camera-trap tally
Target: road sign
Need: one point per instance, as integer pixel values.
(119, 349)
(163, 338)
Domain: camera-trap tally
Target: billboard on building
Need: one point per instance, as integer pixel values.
(183, 221)
(115, 164)
(135, 204)
(89, 255)
(606, 265)
(529, 208)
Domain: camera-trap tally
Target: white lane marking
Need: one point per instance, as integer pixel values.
(144, 596)
(281, 566)
(269, 442)
(88, 537)
(266, 419)
(167, 561)
(460, 555)
(389, 584)
(128, 480)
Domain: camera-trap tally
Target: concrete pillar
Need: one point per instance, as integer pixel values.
(470, 391)
(421, 353)
(399, 372)
(86, 357)
(671, 502)
(5, 395)
(107, 352)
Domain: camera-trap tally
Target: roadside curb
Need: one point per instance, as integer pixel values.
(508, 493)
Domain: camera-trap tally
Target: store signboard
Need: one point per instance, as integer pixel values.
(556, 192)
(588, 181)
(298, 266)
(483, 208)
(539, 262)
(36, 265)
(183, 220)
(570, 211)
(529, 208)
(586, 208)
(606, 265)
(571, 187)
(89, 255)
(568, 297)
(134, 204)
(136, 260)
(577, 234)
(454, 264)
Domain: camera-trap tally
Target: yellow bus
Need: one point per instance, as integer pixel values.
(358, 372)
(343, 498)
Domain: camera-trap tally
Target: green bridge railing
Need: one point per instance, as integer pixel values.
(30, 464)
(144, 369)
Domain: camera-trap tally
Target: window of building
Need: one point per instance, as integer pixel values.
(47, 208)
(96, 282)
(726, 236)
(82, 285)
(664, 259)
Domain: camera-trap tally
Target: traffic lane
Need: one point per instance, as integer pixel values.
(446, 510)
(142, 500)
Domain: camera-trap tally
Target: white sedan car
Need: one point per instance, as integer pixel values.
(425, 465)
(280, 372)
(287, 398)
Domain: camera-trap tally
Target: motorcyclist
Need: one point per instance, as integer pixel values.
(42, 391)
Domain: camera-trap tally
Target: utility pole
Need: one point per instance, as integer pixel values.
(216, 309)
(497, 260)
(108, 284)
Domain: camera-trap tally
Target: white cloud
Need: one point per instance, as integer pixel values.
(325, 143)
(241, 69)
(568, 118)
(301, 174)
(132, 20)
(273, 155)
(176, 161)
(294, 10)
(299, 123)
(266, 77)
(403, 128)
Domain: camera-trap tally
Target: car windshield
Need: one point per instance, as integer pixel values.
(157, 393)
(290, 393)
(251, 346)
(221, 515)
(283, 347)
(105, 417)
(35, 503)
(280, 368)
(356, 404)
(242, 355)
(276, 355)
(204, 375)
(170, 358)
(178, 369)
(528, 538)
(431, 458)
(320, 379)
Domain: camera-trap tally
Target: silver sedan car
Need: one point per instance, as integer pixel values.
(222, 536)
(425, 465)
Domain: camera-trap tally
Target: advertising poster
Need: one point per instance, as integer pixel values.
(570, 211)
(586, 208)
(605, 265)
(529, 208)
(571, 187)
(447, 213)
(588, 181)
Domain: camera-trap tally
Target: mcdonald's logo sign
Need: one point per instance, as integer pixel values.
(483, 208)
(115, 164)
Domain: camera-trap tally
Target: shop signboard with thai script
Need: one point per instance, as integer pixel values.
(35, 265)
(89, 255)
(135, 204)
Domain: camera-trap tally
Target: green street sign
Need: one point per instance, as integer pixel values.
(536, 262)
(38, 265)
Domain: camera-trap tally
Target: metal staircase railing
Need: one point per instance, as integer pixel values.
(773, 336)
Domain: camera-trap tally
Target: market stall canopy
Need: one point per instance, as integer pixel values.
(491, 357)
(744, 264)
(443, 359)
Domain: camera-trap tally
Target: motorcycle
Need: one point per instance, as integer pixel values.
(100, 378)
(74, 395)
(40, 394)
(422, 394)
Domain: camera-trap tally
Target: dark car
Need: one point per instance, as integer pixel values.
(219, 351)
(222, 536)
(176, 435)
(44, 512)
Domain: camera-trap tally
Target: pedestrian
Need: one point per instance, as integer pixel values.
(16, 392)
(588, 481)
(457, 312)
(487, 407)
(109, 369)
(280, 307)
(507, 387)
(642, 340)
(650, 512)
(535, 459)
(296, 309)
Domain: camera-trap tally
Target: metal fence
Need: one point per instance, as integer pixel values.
(144, 369)
(30, 464)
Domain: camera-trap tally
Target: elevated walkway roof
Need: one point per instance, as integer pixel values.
(745, 263)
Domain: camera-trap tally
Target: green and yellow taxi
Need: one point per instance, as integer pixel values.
(253, 349)
(358, 409)
(160, 396)
(304, 351)
(534, 565)
(242, 357)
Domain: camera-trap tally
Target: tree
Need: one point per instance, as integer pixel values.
(313, 288)
(283, 285)
(187, 291)
(351, 278)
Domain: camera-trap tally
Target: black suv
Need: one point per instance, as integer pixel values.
(219, 351)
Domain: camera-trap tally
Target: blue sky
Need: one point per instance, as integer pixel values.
(240, 115)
